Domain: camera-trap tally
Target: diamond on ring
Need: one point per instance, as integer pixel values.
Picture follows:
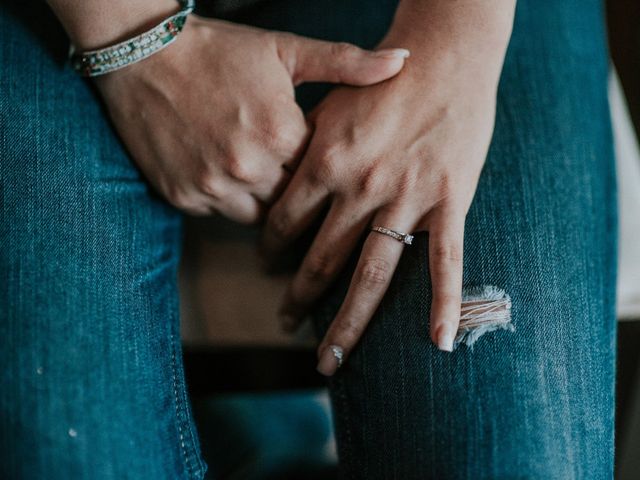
(400, 236)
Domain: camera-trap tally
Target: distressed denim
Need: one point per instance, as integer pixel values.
(91, 380)
(91, 376)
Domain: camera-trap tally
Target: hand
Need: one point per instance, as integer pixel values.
(405, 154)
(212, 120)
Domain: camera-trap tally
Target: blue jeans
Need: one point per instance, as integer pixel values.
(91, 376)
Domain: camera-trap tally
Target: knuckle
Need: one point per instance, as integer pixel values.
(176, 197)
(407, 196)
(279, 224)
(375, 273)
(325, 170)
(282, 42)
(185, 202)
(279, 140)
(444, 185)
(210, 185)
(448, 298)
(407, 182)
(241, 170)
(319, 268)
(349, 331)
(343, 51)
(252, 219)
(370, 182)
(448, 253)
(277, 136)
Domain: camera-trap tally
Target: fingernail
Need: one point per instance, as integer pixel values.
(330, 360)
(393, 53)
(446, 336)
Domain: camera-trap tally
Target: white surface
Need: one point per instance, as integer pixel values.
(628, 165)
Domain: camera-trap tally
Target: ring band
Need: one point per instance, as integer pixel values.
(400, 236)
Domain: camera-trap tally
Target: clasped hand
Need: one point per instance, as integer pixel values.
(213, 123)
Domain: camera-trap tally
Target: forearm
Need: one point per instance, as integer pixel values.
(96, 23)
(465, 34)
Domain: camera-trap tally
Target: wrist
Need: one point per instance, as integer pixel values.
(93, 24)
(466, 39)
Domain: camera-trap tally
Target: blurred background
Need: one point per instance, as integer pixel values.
(261, 408)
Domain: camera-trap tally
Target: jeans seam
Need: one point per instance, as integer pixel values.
(181, 418)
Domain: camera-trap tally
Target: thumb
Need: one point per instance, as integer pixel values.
(310, 60)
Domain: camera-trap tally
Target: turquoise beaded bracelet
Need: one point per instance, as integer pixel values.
(109, 59)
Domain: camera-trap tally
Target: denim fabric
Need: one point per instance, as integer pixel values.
(91, 379)
(536, 403)
(266, 435)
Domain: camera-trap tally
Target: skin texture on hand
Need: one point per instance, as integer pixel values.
(212, 119)
(405, 154)
(212, 122)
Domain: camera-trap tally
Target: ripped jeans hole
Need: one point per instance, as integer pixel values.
(484, 309)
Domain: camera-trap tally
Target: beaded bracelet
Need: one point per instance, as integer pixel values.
(98, 62)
